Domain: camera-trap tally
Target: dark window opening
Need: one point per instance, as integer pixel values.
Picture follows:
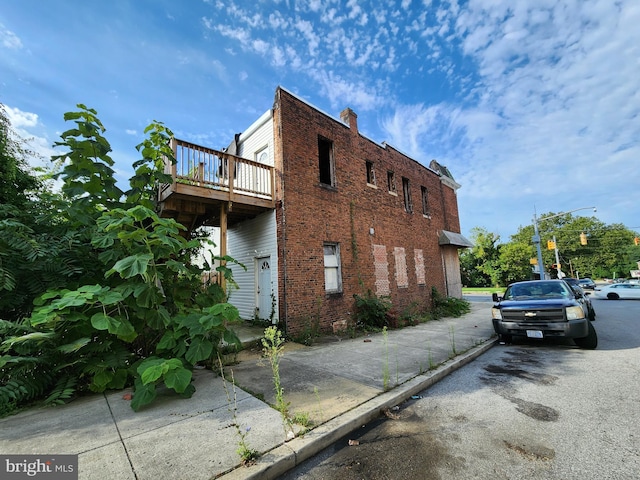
(371, 174)
(391, 182)
(407, 195)
(425, 201)
(325, 160)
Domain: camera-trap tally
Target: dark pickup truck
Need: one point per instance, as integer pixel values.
(543, 309)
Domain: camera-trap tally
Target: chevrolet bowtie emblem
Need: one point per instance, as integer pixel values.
(530, 314)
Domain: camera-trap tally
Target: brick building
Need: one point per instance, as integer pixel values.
(347, 216)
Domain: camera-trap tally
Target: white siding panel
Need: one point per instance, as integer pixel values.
(260, 135)
(247, 241)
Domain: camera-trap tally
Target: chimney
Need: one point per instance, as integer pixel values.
(349, 117)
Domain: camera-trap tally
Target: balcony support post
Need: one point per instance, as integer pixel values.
(223, 242)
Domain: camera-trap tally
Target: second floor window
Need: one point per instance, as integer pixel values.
(406, 191)
(391, 182)
(371, 174)
(325, 161)
(425, 201)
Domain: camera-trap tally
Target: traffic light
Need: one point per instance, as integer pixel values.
(583, 238)
(551, 245)
(636, 241)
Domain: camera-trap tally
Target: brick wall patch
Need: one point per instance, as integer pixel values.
(402, 279)
(419, 260)
(381, 268)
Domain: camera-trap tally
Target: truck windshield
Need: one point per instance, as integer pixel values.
(537, 290)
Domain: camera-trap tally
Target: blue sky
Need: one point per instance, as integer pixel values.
(530, 103)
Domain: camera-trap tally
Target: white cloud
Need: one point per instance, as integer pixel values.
(277, 22)
(9, 39)
(239, 34)
(260, 46)
(342, 93)
(20, 119)
(354, 9)
(315, 5)
(27, 127)
(306, 28)
(279, 59)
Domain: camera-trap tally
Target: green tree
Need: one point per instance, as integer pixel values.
(37, 250)
(17, 183)
(515, 262)
(609, 248)
(480, 265)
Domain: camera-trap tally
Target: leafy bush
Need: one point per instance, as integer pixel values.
(121, 304)
(442, 306)
(371, 311)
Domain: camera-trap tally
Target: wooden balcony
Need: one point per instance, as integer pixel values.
(207, 183)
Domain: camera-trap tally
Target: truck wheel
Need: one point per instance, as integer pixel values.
(592, 314)
(505, 338)
(590, 342)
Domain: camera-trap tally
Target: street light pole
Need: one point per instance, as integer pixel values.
(536, 236)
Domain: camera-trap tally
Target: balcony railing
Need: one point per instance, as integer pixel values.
(198, 166)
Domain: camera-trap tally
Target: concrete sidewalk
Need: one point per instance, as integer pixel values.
(339, 385)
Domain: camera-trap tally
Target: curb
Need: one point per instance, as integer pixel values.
(283, 458)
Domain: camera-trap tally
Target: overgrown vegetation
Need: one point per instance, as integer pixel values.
(97, 291)
(371, 311)
(273, 344)
(247, 454)
(442, 306)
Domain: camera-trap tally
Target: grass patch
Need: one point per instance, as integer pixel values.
(478, 290)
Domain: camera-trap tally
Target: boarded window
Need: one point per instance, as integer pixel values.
(418, 257)
(381, 268)
(332, 273)
(325, 161)
(402, 279)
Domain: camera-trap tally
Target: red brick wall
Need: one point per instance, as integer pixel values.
(309, 214)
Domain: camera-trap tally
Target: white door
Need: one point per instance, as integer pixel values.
(264, 288)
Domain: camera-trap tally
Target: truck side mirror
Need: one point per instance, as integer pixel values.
(495, 297)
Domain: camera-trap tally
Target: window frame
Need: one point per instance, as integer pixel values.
(326, 162)
(258, 154)
(391, 182)
(425, 201)
(406, 193)
(371, 173)
(332, 266)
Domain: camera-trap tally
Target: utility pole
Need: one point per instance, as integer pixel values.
(536, 236)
